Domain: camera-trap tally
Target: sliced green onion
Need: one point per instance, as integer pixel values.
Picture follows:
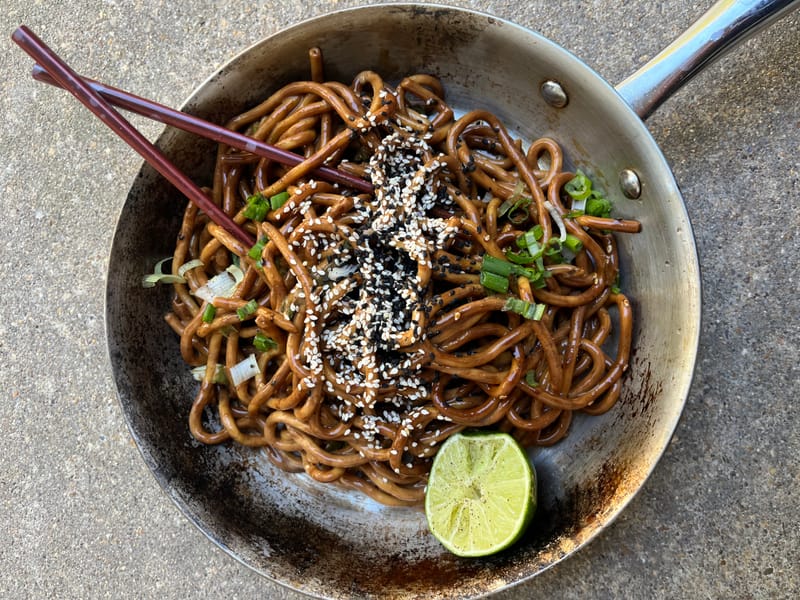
(585, 199)
(540, 283)
(530, 378)
(515, 266)
(579, 187)
(337, 273)
(528, 241)
(236, 272)
(578, 206)
(248, 310)
(514, 200)
(504, 208)
(570, 248)
(518, 215)
(615, 289)
(516, 193)
(199, 373)
(539, 312)
(222, 285)
(518, 212)
(556, 216)
(526, 272)
(264, 343)
(496, 265)
(278, 200)
(597, 206)
(516, 305)
(209, 313)
(244, 370)
(573, 243)
(257, 249)
(554, 251)
(257, 207)
(494, 282)
(158, 276)
(520, 258)
(192, 264)
(529, 310)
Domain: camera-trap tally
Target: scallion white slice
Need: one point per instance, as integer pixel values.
(192, 264)
(158, 276)
(221, 286)
(579, 205)
(337, 273)
(244, 370)
(199, 374)
(557, 218)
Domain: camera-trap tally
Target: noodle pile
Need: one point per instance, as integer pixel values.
(373, 335)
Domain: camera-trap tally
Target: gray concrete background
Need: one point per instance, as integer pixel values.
(80, 515)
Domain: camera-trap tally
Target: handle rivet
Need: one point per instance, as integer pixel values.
(630, 183)
(554, 94)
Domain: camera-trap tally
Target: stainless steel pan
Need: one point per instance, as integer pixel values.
(336, 544)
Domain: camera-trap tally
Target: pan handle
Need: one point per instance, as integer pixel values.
(725, 24)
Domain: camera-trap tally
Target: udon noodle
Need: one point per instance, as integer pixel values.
(370, 325)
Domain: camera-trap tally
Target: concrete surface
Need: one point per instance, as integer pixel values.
(81, 516)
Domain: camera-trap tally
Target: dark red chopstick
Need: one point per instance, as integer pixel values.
(192, 124)
(72, 82)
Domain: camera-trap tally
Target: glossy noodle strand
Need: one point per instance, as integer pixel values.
(373, 335)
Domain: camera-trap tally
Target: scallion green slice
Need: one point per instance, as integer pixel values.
(248, 310)
(579, 187)
(257, 207)
(529, 310)
(264, 343)
(573, 243)
(615, 287)
(530, 378)
(527, 241)
(539, 312)
(494, 282)
(209, 313)
(520, 258)
(496, 265)
(278, 200)
(518, 215)
(257, 249)
(597, 206)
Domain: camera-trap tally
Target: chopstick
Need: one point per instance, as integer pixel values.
(192, 124)
(72, 82)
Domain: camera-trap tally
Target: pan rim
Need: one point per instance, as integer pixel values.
(689, 244)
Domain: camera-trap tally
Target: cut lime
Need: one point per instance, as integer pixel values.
(481, 493)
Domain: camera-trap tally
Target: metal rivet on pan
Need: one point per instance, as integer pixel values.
(554, 94)
(630, 184)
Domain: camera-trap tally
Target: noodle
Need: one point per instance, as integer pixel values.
(373, 335)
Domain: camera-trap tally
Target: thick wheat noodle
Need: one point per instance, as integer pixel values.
(349, 399)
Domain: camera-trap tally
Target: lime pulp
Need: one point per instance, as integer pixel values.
(481, 493)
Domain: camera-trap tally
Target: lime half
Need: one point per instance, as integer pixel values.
(481, 493)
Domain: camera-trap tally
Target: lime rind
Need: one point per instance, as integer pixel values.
(481, 493)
